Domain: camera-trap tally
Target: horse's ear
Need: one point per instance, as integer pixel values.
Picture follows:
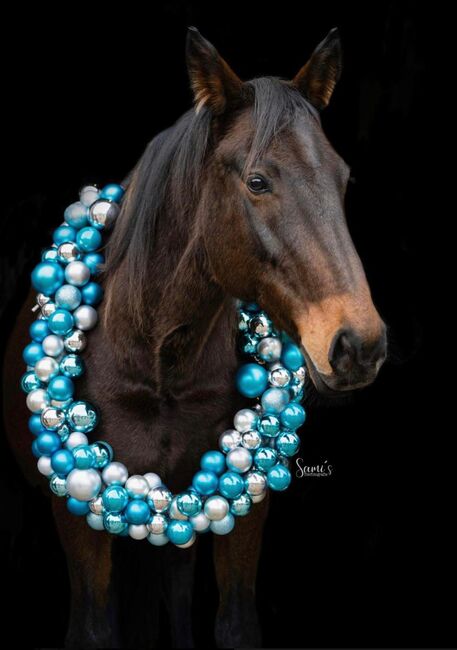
(213, 82)
(317, 79)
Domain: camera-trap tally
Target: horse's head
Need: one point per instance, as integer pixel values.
(275, 229)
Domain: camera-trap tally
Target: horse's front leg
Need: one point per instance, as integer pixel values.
(93, 616)
(236, 558)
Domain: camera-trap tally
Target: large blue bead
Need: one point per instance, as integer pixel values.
(205, 482)
(88, 239)
(77, 507)
(62, 461)
(32, 353)
(274, 400)
(137, 512)
(265, 458)
(82, 417)
(47, 277)
(92, 293)
(48, 442)
(231, 485)
(76, 215)
(113, 192)
(115, 498)
(35, 425)
(279, 478)
(68, 297)
(95, 262)
(293, 416)
(39, 330)
(179, 532)
(30, 381)
(189, 503)
(213, 461)
(115, 523)
(62, 234)
(291, 356)
(72, 365)
(61, 322)
(61, 388)
(84, 457)
(288, 443)
(251, 380)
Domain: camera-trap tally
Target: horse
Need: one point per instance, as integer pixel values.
(242, 199)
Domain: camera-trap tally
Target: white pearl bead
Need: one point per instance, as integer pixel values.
(75, 439)
(95, 521)
(37, 400)
(83, 484)
(44, 466)
(115, 473)
(138, 531)
(88, 195)
(230, 439)
(46, 368)
(239, 459)
(137, 486)
(157, 524)
(216, 508)
(189, 543)
(270, 349)
(77, 273)
(174, 513)
(86, 317)
(245, 420)
(255, 483)
(153, 480)
(157, 540)
(200, 522)
(96, 506)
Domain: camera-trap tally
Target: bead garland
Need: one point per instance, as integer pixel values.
(252, 457)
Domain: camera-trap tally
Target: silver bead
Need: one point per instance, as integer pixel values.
(52, 345)
(189, 543)
(157, 524)
(300, 374)
(279, 377)
(153, 479)
(255, 483)
(75, 439)
(95, 521)
(75, 342)
(48, 309)
(37, 400)
(52, 418)
(245, 420)
(174, 513)
(83, 484)
(257, 498)
(46, 368)
(103, 213)
(239, 460)
(42, 299)
(68, 252)
(96, 506)
(269, 349)
(137, 486)
(88, 195)
(77, 273)
(200, 522)
(115, 473)
(251, 440)
(159, 499)
(158, 540)
(260, 326)
(230, 439)
(86, 317)
(44, 466)
(216, 508)
(138, 531)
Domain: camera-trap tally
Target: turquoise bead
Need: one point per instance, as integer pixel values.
(61, 322)
(137, 512)
(61, 388)
(72, 365)
(47, 277)
(32, 353)
(68, 297)
(189, 503)
(30, 382)
(274, 400)
(35, 451)
(63, 234)
(265, 458)
(288, 443)
(39, 330)
(92, 293)
(94, 261)
(47, 443)
(223, 526)
(179, 532)
(241, 506)
(62, 461)
(115, 498)
(269, 425)
(103, 453)
(50, 255)
(293, 416)
(88, 239)
(231, 485)
(292, 357)
(205, 482)
(77, 507)
(35, 425)
(213, 461)
(112, 192)
(76, 215)
(115, 523)
(251, 380)
(81, 417)
(84, 457)
(278, 478)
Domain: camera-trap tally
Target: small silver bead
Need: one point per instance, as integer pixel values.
(48, 309)
(251, 440)
(68, 252)
(103, 213)
(52, 418)
(229, 440)
(75, 342)
(255, 483)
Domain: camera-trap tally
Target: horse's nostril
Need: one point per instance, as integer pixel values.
(348, 352)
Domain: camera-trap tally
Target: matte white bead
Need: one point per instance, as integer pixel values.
(239, 459)
(44, 466)
(115, 473)
(52, 345)
(138, 531)
(153, 480)
(77, 273)
(83, 484)
(245, 420)
(37, 400)
(75, 439)
(86, 317)
(46, 368)
(137, 486)
(157, 540)
(200, 522)
(95, 521)
(88, 195)
(216, 508)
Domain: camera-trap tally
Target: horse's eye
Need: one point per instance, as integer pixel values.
(256, 184)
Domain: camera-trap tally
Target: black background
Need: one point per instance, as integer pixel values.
(362, 558)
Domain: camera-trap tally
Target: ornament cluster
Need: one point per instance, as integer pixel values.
(252, 457)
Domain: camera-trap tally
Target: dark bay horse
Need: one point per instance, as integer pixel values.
(241, 199)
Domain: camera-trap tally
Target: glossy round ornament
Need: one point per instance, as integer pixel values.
(53, 345)
(83, 484)
(47, 277)
(81, 416)
(102, 214)
(245, 420)
(251, 380)
(77, 273)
